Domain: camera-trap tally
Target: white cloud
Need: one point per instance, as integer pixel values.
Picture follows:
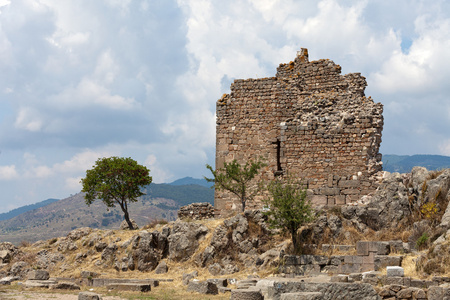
(425, 67)
(38, 172)
(8, 172)
(81, 161)
(29, 119)
(73, 183)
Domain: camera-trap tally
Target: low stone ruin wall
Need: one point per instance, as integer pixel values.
(370, 256)
(196, 211)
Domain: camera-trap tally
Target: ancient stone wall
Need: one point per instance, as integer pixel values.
(308, 121)
(196, 211)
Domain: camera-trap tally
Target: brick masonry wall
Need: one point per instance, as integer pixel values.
(308, 121)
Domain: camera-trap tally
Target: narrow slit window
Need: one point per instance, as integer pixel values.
(279, 170)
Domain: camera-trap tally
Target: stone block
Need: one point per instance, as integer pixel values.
(202, 287)
(135, 287)
(349, 183)
(38, 275)
(223, 289)
(350, 192)
(318, 200)
(161, 268)
(246, 295)
(339, 278)
(383, 261)
(396, 246)
(367, 267)
(409, 293)
(302, 296)
(383, 248)
(39, 283)
(219, 282)
(362, 248)
(340, 200)
(336, 260)
(396, 280)
(355, 276)
(349, 268)
(64, 286)
(89, 296)
(394, 271)
(314, 260)
(330, 191)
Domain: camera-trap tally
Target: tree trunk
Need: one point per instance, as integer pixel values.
(124, 208)
(127, 218)
(294, 237)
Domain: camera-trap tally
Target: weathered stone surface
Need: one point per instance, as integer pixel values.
(184, 239)
(395, 271)
(38, 275)
(39, 283)
(78, 233)
(246, 294)
(20, 269)
(329, 290)
(89, 296)
(5, 256)
(64, 286)
(161, 268)
(246, 283)
(106, 281)
(196, 211)
(186, 277)
(124, 225)
(202, 287)
(136, 287)
(219, 282)
(109, 253)
(302, 296)
(383, 261)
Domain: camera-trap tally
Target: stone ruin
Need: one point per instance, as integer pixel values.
(308, 121)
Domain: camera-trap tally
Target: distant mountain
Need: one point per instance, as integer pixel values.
(24, 209)
(161, 201)
(190, 180)
(404, 163)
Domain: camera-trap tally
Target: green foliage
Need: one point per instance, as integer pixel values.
(115, 180)
(422, 241)
(288, 207)
(238, 179)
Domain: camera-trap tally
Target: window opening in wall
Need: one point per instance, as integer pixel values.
(279, 170)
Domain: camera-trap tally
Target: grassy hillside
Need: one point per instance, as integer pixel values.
(58, 218)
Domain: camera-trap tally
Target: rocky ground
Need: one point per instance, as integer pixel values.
(408, 208)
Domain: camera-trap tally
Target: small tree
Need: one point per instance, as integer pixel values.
(237, 179)
(115, 180)
(288, 207)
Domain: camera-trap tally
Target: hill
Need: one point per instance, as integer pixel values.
(404, 163)
(190, 180)
(162, 201)
(24, 209)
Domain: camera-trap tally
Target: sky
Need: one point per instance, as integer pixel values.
(86, 79)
